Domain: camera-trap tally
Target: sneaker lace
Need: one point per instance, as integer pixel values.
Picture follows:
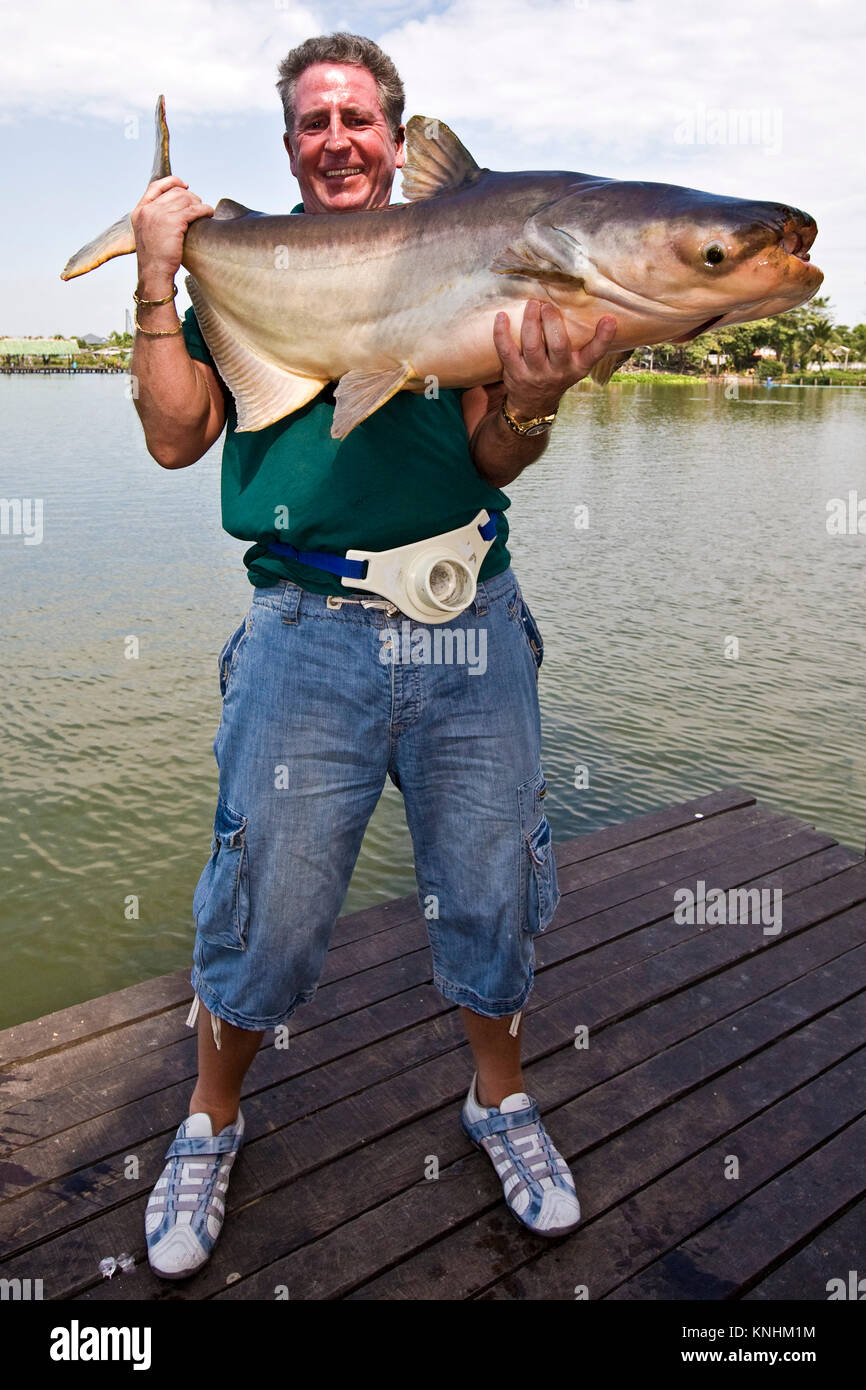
(547, 1159)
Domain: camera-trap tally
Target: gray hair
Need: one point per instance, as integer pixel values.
(344, 48)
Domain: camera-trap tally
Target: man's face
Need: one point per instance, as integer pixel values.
(341, 151)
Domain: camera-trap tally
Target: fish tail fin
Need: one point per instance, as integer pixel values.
(119, 238)
(161, 161)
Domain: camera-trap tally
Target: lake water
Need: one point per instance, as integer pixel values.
(707, 521)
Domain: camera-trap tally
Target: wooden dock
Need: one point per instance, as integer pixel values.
(715, 1123)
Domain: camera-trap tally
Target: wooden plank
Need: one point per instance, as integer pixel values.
(624, 973)
(657, 823)
(44, 1078)
(717, 1261)
(318, 1139)
(47, 1035)
(836, 1252)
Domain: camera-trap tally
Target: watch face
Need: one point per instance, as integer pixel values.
(537, 429)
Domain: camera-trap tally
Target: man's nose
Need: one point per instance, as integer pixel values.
(338, 136)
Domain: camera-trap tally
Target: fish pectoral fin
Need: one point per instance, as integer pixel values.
(607, 365)
(436, 161)
(263, 392)
(543, 253)
(360, 393)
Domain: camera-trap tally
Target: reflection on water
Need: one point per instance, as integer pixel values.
(706, 533)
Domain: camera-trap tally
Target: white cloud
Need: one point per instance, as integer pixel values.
(104, 59)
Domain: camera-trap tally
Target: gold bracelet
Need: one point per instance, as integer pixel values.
(159, 332)
(168, 298)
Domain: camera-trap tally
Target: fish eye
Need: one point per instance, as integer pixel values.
(713, 253)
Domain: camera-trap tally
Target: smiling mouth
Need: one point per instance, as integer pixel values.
(342, 173)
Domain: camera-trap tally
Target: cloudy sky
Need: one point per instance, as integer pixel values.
(650, 89)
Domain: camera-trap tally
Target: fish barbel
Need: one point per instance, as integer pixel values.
(393, 298)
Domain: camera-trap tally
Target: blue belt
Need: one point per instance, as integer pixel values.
(352, 569)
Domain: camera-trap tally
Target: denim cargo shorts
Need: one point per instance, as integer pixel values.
(320, 704)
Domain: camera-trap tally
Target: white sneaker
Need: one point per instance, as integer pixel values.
(185, 1212)
(536, 1179)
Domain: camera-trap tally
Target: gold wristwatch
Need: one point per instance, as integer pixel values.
(540, 424)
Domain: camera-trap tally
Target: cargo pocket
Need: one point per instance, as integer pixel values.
(221, 903)
(539, 883)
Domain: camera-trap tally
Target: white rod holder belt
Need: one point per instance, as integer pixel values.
(430, 580)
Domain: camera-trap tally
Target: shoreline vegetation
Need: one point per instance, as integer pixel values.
(830, 378)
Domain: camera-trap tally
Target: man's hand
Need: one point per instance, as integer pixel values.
(535, 376)
(540, 371)
(159, 220)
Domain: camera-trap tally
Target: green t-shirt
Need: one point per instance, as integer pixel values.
(403, 474)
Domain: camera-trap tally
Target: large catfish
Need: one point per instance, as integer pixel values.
(382, 301)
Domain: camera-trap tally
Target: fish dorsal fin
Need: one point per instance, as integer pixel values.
(436, 161)
(607, 365)
(161, 161)
(227, 210)
(359, 393)
(263, 392)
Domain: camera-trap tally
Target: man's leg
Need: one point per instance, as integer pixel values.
(468, 755)
(221, 1071)
(302, 751)
(497, 1056)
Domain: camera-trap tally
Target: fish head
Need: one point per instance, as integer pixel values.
(689, 258)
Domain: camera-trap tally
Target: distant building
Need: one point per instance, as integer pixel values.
(19, 350)
(765, 352)
(93, 340)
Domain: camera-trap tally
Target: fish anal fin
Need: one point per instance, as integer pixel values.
(607, 365)
(263, 392)
(436, 161)
(360, 393)
(116, 240)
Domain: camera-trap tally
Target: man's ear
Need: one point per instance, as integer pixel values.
(401, 151)
(287, 141)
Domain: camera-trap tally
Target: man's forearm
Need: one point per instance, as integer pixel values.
(171, 398)
(499, 454)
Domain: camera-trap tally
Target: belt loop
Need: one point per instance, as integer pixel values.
(480, 601)
(289, 603)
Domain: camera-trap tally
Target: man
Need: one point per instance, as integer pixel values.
(313, 719)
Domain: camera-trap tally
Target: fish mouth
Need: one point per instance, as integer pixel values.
(797, 236)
